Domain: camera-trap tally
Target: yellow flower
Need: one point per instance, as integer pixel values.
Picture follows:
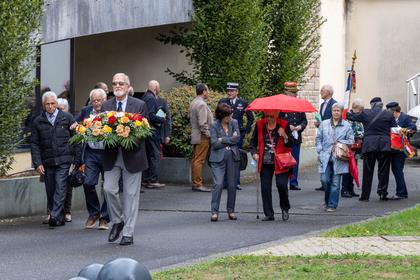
(120, 129)
(107, 129)
(81, 129)
(96, 132)
(138, 123)
(125, 119)
(110, 114)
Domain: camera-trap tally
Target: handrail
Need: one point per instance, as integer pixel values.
(412, 78)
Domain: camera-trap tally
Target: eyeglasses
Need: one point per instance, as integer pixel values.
(114, 84)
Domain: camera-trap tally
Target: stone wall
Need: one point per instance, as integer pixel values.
(310, 92)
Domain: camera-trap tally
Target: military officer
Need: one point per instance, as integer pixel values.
(297, 124)
(238, 105)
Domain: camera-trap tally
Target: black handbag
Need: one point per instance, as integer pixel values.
(76, 178)
(243, 163)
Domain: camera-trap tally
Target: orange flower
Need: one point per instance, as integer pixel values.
(120, 129)
(127, 129)
(88, 123)
(98, 124)
(125, 119)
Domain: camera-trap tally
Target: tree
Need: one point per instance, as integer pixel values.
(294, 40)
(227, 42)
(19, 21)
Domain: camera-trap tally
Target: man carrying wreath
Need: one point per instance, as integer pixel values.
(126, 163)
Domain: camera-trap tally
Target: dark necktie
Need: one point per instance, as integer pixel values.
(119, 109)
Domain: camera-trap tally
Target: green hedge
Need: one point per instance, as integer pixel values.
(179, 100)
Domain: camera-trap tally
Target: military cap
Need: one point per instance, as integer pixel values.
(232, 86)
(290, 86)
(376, 99)
(391, 105)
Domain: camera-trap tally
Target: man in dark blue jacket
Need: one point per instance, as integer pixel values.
(376, 146)
(156, 119)
(238, 105)
(398, 157)
(297, 124)
(52, 155)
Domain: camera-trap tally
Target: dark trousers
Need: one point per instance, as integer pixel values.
(238, 170)
(68, 200)
(266, 177)
(224, 169)
(293, 181)
(347, 183)
(369, 160)
(56, 187)
(397, 166)
(150, 175)
(93, 168)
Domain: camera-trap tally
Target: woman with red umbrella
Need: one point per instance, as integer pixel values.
(272, 137)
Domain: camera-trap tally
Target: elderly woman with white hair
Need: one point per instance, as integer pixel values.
(333, 139)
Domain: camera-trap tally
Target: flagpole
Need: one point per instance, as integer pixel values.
(354, 57)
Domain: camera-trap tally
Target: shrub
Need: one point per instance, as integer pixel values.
(227, 42)
(179, 100)
(19, 21)
(294, 40)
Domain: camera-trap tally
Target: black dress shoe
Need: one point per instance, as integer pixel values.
(267, 218)
(56, 223)
(346, 194)
(126, 240)
(238, 187)
(295, 188)
(353, 194)
(284, 215)
(115, 231)
(383, 197)
(320, 189)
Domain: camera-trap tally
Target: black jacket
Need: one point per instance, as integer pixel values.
(85, 113)
(377, 134)
(153, 107)
(49, 144)
(239, 112)
(295, 119)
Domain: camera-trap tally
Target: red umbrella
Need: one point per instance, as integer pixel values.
(354, 172)
(281, 103)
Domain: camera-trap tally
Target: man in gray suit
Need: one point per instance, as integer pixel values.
(128, 163)
(201, 118)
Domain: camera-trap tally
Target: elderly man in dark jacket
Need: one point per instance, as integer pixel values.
(157, 119)
(376, 146)
(52, 155)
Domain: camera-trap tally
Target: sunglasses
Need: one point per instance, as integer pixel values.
(118, 84)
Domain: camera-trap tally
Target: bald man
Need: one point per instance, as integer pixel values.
(156, 120)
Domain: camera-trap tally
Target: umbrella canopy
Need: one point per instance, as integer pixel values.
(281, 103)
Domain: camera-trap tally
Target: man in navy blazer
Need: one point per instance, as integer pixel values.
(325, 110)
(398, 157)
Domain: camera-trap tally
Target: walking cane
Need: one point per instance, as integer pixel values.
(254, 166)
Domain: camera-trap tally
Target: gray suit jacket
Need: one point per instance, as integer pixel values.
(134, 160)
(200, 118)
(217, 150)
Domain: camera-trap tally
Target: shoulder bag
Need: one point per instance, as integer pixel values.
(283, 160)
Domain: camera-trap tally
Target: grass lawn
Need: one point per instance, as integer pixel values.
(403, 223)
(321, 267)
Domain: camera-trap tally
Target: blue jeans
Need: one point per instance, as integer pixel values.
(331, 183)
(295, 153)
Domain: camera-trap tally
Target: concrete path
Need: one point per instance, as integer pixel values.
(377, 245)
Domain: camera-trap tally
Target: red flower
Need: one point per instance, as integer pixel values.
(139, 117)
(112, 119)
(97, 118)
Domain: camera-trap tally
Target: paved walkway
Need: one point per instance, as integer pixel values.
(377, 245)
